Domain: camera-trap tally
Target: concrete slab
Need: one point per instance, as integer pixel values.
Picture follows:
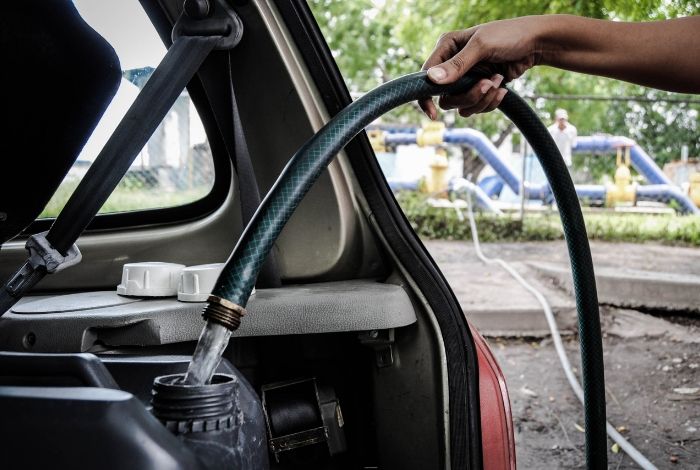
(632, 324)
(497, 304)
(513, 311)
(633, 288)
(629, 275)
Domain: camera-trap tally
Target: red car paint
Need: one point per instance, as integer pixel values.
(497, 439)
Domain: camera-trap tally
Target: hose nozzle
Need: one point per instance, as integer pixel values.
(223, 312)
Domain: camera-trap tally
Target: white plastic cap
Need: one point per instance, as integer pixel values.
(150, 279)
(197, 282)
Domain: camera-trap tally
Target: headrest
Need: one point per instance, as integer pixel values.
(58, 77)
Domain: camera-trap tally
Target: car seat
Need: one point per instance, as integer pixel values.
(59, 76)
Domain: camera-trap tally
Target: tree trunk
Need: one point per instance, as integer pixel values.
(504, 133)
(472, 164)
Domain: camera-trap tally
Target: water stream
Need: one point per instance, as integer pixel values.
(207, 355)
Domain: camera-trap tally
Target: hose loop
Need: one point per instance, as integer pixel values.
(237, 279)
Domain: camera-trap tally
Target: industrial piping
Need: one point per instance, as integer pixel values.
(660, 189)
(641, 161)
(484, 148)
(463, 185)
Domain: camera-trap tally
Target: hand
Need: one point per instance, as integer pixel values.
(505, 48)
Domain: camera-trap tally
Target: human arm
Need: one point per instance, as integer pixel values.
(659, 54)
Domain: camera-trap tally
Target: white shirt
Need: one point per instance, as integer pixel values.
(565, 139)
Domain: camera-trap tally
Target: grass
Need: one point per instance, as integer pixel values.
(669, 229)
(441, 223)
(125, 199)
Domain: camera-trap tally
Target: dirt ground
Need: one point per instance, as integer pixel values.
(652, 367)
(643, 378)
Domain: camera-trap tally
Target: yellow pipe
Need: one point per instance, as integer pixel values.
(694, 189)
(437, 180)
(622, 190)
(377, 140)
(432, 133)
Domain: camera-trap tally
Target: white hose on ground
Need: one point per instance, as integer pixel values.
(629, 449)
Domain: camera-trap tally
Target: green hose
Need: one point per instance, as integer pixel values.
(238, 276)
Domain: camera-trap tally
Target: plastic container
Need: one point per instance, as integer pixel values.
(219, 422)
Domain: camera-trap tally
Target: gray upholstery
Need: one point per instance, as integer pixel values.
(76, 322)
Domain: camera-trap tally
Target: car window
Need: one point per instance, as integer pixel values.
(176, 166)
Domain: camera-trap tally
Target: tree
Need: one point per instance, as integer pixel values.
(376, 40)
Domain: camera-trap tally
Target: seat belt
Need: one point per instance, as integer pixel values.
(248, 190)
(196, 33)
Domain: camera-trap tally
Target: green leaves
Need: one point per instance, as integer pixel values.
(376, 40)
(444, 223)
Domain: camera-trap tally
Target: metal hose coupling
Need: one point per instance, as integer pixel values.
(224, 312)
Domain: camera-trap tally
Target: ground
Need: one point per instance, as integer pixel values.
(652, 362)
(641, 376)
(650, 256)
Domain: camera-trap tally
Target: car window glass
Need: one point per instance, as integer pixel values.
(176, 166)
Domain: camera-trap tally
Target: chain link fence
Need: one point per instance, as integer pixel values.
(174, 168)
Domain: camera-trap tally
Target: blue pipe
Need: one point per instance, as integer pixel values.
(651, 192)
(486, 151)
(400, 138)
(462, 185)
(660, 187)
(641, 161)
(492, 185)
(591, 192)
(645, 165)
(397, 184)
(667, 193)
(456, 185)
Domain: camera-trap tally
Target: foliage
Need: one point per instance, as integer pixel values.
(669, 229)
(375, 40)
(441, 223)
(444, 223)
(127, 197)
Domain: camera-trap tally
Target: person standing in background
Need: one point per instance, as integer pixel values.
(564, 134)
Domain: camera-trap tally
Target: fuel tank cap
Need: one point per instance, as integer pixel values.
(197, 282)
(150, 279)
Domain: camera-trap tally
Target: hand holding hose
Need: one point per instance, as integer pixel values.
(506, 49)
(659, 54)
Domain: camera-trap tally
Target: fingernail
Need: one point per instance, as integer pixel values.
(497, 82)
(486, 87)
(437, 74)
(501, 93)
